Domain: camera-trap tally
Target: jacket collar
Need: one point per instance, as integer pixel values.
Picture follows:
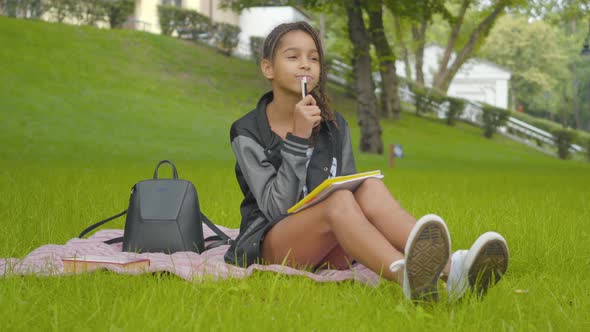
(262, 121)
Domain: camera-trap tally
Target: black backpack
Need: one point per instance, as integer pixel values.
(164, 216)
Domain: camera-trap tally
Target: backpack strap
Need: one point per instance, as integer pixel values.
(221, 237)
(114, 240)
(102, 222)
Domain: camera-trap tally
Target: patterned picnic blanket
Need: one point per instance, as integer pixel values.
(46, 260)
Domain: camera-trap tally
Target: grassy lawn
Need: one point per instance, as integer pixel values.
(85, 113)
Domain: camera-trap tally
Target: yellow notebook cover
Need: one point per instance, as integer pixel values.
(349, 182)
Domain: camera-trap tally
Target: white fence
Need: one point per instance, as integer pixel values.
(472, 113)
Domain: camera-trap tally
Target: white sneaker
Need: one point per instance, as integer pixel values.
(426, 254)
(479, 267)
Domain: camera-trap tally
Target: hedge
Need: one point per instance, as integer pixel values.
(256, 44)
(184, 21)
(455, 110)
(226, 37)
(493, 117)
(19, 8)
(198, 27)
(564, 139)
(581, 137)
(115, 12)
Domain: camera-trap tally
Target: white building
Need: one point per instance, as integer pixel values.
(255, 21)
(477, 80)
(145, 16)
(259, 21)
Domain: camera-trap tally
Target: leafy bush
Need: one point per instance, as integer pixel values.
(63, 8)
(564, 139)
(226, 37)
(550, 126)
(166, 16)
(256, 44)
(425, 99)
(90, 11)
(456, 107)
(493, 117)
(184, 22)
(194, 22)
(20, 8)
(117, 11)
(588, 148)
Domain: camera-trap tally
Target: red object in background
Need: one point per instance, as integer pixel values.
(520, 108)
(391, 155)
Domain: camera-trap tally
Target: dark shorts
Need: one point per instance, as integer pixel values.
(247, 248)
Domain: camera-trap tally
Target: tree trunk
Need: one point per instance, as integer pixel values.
(575, 107)
(447, 75)
(402, 44)
(564, 109)
(444, 62)
(364, 86)
(420, 39)
(390, 106)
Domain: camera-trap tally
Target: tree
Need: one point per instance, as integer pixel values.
(466, 26)
(487, 17)
(570, 16)
(364, 86)
(537, 54)
(420, 15)
(390, 101)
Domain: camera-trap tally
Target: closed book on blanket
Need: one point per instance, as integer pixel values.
(321, 192)
(88, 263)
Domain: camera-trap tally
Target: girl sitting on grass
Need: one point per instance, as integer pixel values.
(288, 145)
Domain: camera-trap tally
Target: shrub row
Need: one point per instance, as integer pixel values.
(114, 12)
(429, 100)
(493, 117)
(198, 27)
(580, 137)
(20, 8)
(564, 139)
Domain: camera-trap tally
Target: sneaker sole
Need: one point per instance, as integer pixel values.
(426, 259)
(489, 265)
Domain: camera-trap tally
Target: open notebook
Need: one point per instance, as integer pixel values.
(348, 182)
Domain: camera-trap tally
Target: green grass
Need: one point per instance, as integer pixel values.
(86, 113)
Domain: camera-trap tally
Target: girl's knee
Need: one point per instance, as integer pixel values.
(340, 202)
(371, 186)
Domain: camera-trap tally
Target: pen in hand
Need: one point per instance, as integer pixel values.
(303, 87)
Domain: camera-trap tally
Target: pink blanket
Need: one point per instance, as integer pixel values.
(46, 260)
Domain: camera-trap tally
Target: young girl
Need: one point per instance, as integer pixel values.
(289, 144)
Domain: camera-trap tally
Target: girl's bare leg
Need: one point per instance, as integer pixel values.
(386, 214)
(306, 238)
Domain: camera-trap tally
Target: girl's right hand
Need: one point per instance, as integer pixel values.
(306, 117)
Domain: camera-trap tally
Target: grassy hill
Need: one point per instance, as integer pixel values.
(85, 113)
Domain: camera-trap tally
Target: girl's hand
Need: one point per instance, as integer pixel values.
(306, 117)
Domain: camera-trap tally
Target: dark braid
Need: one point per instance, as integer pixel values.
(271, 43)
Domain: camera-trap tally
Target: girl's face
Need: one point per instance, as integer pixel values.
(295, 58)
